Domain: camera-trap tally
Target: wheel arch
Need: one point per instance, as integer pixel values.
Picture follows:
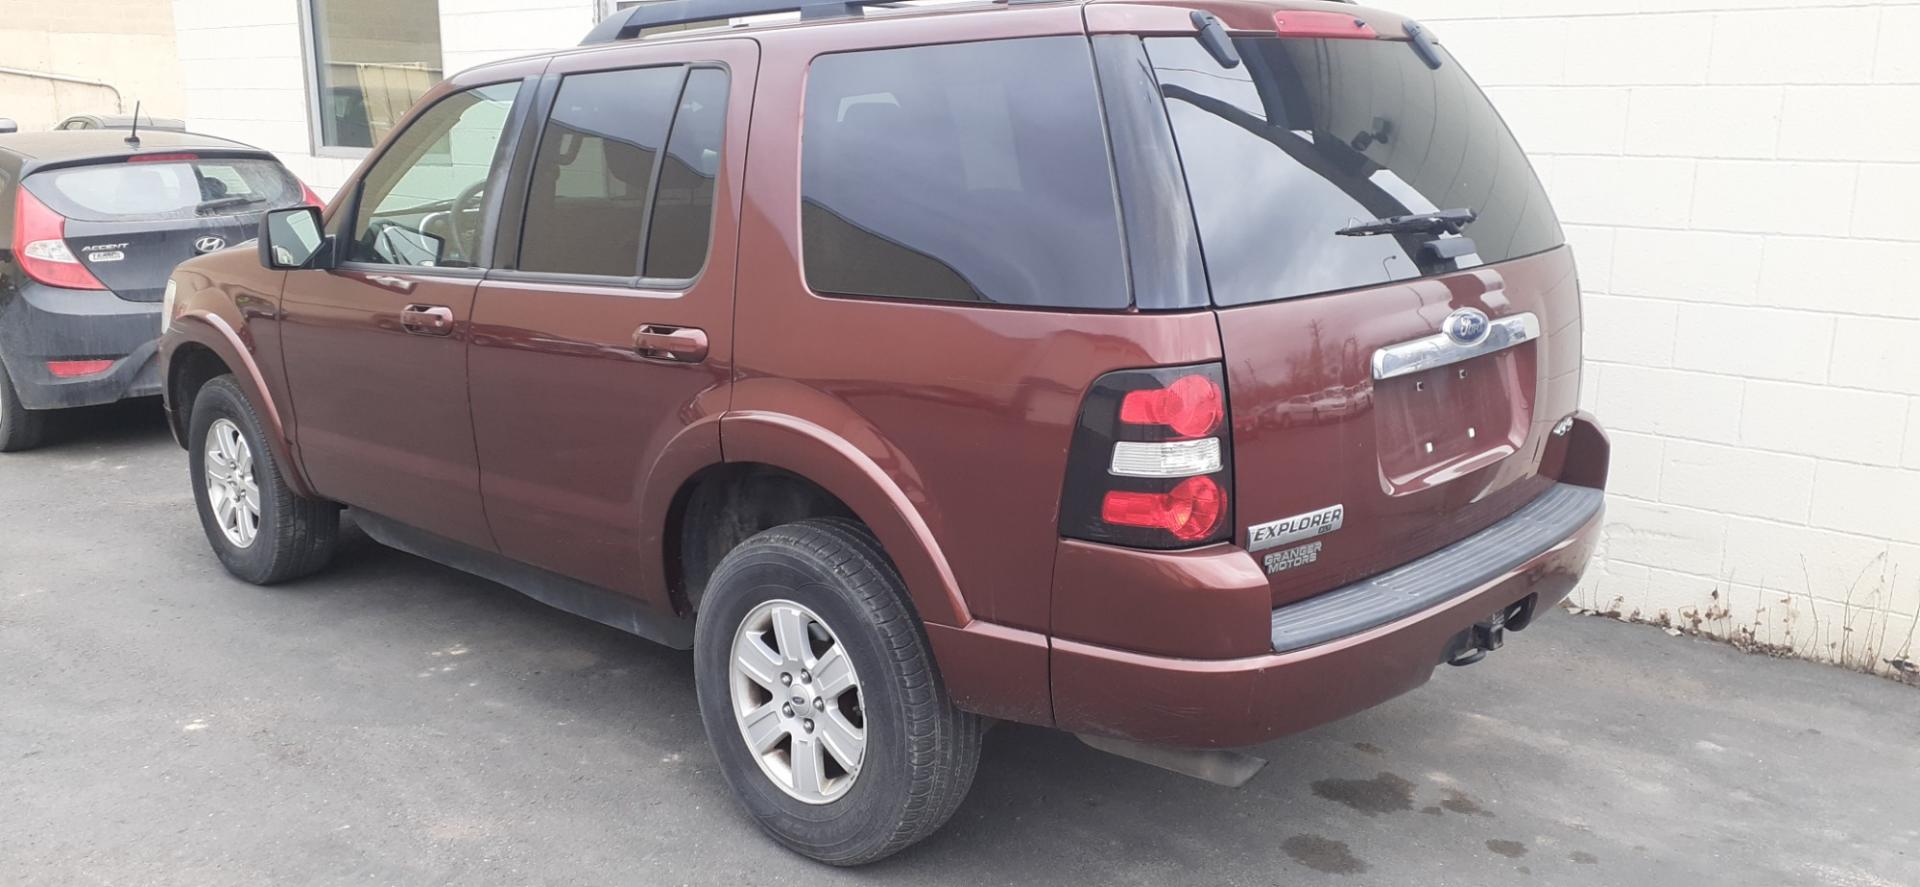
(201, 346)
(825, 474)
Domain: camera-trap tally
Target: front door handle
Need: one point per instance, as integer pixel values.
(671, 344)
(427, 320)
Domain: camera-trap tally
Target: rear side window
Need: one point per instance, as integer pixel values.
(970, 172)
(1312, 136)
(165, 190)
(602, 185)
(593, 176)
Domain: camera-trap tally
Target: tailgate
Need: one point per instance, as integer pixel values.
(1352, 191)
(1408, 463)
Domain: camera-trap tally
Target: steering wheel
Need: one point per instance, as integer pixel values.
(465, 225)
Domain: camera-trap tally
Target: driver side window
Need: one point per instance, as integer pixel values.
(423, 201)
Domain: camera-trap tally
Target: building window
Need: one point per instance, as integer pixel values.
(372, 60)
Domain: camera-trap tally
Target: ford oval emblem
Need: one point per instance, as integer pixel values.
(1466, 326)
(208, 244)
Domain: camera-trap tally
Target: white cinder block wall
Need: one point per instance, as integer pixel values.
(245, 76)
(1741, 183)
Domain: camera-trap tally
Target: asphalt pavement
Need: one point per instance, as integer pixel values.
(396, 722)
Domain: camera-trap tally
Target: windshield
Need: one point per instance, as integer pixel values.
(1303, 161)
(173, 189)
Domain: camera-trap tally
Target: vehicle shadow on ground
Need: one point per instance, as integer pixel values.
(1040, 796)
(129, 422)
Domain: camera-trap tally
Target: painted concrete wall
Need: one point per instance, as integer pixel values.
(128, 43)
(1739, 178)
(244, 65)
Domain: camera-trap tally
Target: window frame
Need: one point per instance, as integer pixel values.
(519, 184)
(346, 217)
(310, 78)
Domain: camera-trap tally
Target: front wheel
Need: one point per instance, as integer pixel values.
(261, 530)
(821, 698)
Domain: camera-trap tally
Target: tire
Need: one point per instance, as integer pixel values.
(20, 428)
(919, 754)
(293, 536)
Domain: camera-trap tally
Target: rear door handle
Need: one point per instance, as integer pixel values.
(427, 320)
(670, 344)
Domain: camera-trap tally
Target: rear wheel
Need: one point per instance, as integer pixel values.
(20, 428)
(261, 530)
(821, 697)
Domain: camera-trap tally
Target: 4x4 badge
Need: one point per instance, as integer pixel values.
(1299, 526)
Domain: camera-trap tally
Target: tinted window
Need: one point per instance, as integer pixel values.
(1312, 136)
(592, 176)
(969, 172)
(171, 190)
(422, 202)
(683, 205)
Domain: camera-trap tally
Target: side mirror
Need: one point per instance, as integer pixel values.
(292, 240)
(7, 125)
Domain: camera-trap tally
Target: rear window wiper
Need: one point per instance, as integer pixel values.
(213, 206)
(1445, 221)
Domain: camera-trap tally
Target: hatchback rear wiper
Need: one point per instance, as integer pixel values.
(1445, 221)
(218, 204)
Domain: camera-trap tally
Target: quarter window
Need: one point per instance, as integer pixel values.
(372, 59)
(972, 172)
(423, 202)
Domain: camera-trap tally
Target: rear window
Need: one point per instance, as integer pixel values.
(157, 191)
(969, 172)
(1308, 137)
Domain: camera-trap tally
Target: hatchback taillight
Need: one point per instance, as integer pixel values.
(1151, 462)
(40, 246)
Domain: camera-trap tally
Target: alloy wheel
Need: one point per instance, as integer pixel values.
(232, 490)
(796, 698)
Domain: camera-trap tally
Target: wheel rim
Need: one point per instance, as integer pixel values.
(232, 491)
(796, 699)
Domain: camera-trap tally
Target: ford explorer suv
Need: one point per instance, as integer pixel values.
(1177, 373)
(91, 225)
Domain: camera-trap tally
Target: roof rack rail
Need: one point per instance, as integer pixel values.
(627, 24)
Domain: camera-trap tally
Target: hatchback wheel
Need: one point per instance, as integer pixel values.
(262, 531)
(821, 697)
(20, 428)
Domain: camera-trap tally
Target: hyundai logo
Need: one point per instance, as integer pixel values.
(1466, 326)
(210, 243)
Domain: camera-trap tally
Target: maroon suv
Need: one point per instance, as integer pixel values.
(1180, 373)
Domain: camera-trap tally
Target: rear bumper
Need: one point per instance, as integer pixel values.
(42, 324)
(1342, 652)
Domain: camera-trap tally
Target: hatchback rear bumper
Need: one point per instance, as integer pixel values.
(42, 324)
(1392, 631)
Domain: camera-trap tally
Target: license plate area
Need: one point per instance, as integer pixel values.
(1436, 425)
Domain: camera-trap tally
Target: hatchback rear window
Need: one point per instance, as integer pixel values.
(174, 189)
(1309, 137)
(972, 172)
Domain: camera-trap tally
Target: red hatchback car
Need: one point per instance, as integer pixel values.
(1178, 373)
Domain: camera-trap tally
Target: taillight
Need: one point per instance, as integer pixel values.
(310, 197)
(40, 246)
(162, 158)
(1191, 406)
(1151, 462)
(1334, 25)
